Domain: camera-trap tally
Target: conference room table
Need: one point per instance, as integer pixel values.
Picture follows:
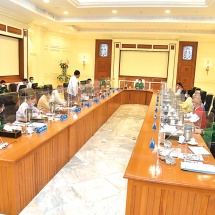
(156, 188)
(31, 161)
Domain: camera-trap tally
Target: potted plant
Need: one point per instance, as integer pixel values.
(64, 78)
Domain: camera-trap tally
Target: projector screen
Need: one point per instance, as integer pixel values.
(9, 56)
(144, 63)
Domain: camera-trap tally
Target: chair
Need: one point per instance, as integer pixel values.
(11, 106)
(12, 87)
(48, 87)
(203, 95)
(25, 92)
(213, 107)
(208, 101)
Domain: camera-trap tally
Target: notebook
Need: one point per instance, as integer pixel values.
(199, 150)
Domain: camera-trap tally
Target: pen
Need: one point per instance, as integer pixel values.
(199, 146)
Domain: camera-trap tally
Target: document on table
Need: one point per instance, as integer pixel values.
(199, 150)
(198, 167)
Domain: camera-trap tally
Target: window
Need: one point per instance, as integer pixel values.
(187, 53)
(103, 50)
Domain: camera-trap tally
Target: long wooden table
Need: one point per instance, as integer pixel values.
(28, 164)
(155, 188)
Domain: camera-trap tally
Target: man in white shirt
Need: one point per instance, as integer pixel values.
(72, 89)
(29, 103)
(24, 82)
(31, 81)
(58, 95)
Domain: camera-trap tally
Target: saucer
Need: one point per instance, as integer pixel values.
(192, 143)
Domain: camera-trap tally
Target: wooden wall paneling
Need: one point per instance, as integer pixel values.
(2, 27)
(14, 30)
(148, 98)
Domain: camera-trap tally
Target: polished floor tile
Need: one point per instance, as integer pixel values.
(92, 182)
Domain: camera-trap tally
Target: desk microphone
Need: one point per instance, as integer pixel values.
(169, 159)
(167, 143)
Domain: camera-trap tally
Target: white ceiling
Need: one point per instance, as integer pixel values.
(134, 19)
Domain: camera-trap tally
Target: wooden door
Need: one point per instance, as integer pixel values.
(187, 64)
(103, 59)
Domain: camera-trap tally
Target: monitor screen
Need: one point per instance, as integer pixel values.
(22, 86)
(34, 85)
(83, 82)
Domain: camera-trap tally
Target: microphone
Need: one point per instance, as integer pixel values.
(3, 144)
(167, 143)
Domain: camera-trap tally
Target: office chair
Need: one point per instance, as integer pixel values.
(213, 107)
(48, 87)
(208, 101)
(203, 95)
(12, 87)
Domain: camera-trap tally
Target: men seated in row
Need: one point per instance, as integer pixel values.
(3, 88)
(57, 96)
(25, 83)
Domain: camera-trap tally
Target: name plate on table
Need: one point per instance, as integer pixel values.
(41, 129)
(64, 117)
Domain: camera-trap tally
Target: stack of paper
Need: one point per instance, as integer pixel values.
(198, 167)
(199, 150)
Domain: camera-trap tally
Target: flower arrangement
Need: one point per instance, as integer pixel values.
(64, 65)
(64, 77)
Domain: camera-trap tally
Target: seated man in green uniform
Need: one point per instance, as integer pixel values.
(3, 88)
(208, 134)
(139, 84)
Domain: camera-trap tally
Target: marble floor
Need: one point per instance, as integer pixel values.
(92, 182)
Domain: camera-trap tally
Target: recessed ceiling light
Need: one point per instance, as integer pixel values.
(44, 23)
(65, 12)
(167, 11)
(114, 11)
(46, 1)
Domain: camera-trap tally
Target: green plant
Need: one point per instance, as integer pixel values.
(64, 78)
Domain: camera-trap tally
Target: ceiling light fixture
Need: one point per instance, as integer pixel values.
(114, 11)
(65, 12)
(167, 11)
(46, 1)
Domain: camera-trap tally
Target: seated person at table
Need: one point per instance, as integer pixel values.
(43, 103)
(139, 84)
(208, 134)
(24, 82)
(197, 95)
(31, 81)
(198, 117)
(29, 103)
(179, 88)
(58, 95)
(187, 105)
(3, 88)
